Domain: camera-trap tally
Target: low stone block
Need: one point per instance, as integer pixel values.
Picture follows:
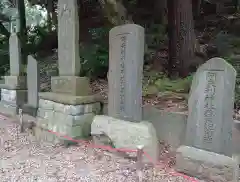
(70, 120)
(206, 165)
(9, 96)
(72, 85)
(32, 111)
(69, 99)
(43, 135)
(46, 104)
(19, 82)
(46, 114)
(78, 109)
(14, 97)
(129, 135)
(8, 109)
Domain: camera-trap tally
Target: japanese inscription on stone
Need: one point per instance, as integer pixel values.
(122, 77)
(209, 106)
(126, 51)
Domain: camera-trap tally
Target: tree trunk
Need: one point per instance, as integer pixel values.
(159, 11)
(4, 31)
(186, 43)
(22, 28)
(50, 9)
(172, 35)
(115, 12)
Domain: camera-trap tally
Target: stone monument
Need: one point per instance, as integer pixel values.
(126, 52)
(33, 84)
(124, 126)
(70, 107)
(210, 123)
(13, 91)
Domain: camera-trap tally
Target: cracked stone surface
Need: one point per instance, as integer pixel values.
(23, 159)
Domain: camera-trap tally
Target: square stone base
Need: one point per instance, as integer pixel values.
(206, 165)
(14, 97)
(27, 109)
(66, 119)
(71, 85)
(16, 82)
(8, 109)
(69, 99)
(11, 101)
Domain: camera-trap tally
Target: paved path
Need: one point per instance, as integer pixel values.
(23, 159)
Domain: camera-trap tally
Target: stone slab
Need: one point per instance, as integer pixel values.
(71, 85)
(126, 52)
(129, 135)
(33, 82)
(10, 87)
(46, 114)
(83, 130)
(46, 104)
(69, 99)
(210, 105)
(70, 109)
(28, 109)
(70, 120)
(77, 109)
(206, 165)
(14, 97)
(19, 82)
(43, 135)
(7, 109)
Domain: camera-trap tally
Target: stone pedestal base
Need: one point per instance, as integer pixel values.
(11, 100)
(31, 111)
(125, 134)
(206, 165)
(71, 85)
(16, 82)
(68, 115)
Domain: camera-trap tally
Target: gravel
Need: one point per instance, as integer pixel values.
(23, 159)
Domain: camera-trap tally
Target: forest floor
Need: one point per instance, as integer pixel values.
(173, 102)
(25, 159)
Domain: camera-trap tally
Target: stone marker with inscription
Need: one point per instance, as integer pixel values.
(210, 118)
(33, 83)
(209, 150)
(124, 126)
(126, 52)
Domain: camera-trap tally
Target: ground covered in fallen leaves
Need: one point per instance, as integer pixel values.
(23, 159)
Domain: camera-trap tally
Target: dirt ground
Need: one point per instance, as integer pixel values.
(23, 159)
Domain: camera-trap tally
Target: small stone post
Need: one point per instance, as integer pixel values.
(140, 163)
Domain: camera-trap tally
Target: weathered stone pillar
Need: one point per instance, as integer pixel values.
(14, 90)
(123, 127)
(70, 107)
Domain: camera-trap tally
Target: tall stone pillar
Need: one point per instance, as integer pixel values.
(70, 107)
(14, 90)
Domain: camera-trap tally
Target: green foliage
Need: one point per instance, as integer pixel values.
(178, 85)
(156, 35)
(35, 36)
(4, 63)
(235, 63)
(155, 82)
(94, 56)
